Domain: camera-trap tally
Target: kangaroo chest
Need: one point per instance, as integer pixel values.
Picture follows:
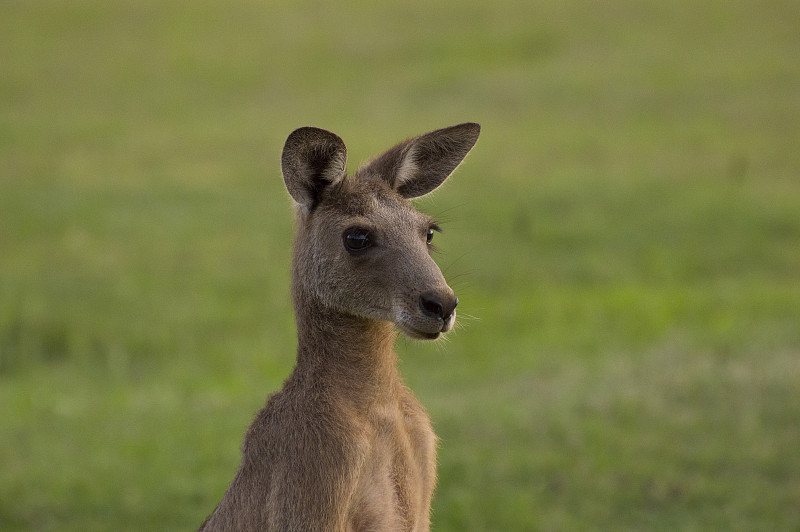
(397, 479)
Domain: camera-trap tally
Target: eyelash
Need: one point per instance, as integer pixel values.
(431, 229)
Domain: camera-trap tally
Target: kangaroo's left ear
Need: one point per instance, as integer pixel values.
(419, 165)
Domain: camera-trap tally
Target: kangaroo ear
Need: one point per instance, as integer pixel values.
(419, 165)
(312, 160)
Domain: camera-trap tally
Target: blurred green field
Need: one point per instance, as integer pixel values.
(624, 240)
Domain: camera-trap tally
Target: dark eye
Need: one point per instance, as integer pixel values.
(356, 239)
(431, 229)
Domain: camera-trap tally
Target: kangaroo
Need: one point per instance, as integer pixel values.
(345, 445)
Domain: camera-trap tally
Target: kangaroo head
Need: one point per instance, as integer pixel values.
(361, 248)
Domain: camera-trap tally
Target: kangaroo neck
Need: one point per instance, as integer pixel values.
(338, 352)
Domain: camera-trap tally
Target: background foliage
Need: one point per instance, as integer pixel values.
(624, 241)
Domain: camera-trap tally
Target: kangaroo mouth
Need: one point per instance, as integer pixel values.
(420, 334)
(427, 336)
(428, 333)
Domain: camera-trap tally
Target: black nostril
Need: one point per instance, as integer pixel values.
(431, 306)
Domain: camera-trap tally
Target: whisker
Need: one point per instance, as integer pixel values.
(454, 262)
(444, 214)
(459, 281)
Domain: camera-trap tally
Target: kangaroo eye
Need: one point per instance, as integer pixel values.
(356, 239)
(431, 229)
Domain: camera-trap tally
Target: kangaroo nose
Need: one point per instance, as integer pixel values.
(433, 306)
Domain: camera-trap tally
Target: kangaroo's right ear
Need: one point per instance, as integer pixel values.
(312, 160)
(419, 165)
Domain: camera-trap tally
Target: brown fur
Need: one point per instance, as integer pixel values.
(345, 446)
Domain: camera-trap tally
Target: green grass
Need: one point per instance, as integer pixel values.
(624, 240)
